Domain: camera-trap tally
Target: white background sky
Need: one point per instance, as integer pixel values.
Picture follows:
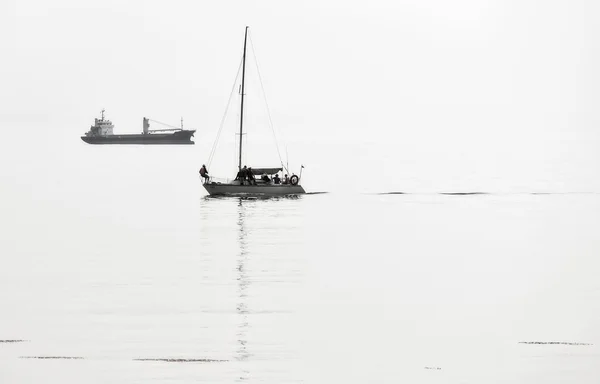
(415, 91)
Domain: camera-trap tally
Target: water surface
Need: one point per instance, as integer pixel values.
(330, 287)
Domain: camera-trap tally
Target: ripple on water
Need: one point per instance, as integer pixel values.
(168, 360)
(463, 193)
(552, 343)
(52, 357)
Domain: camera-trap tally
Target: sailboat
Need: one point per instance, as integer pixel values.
(254, 181)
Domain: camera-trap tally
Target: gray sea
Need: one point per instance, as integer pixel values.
(124, 271)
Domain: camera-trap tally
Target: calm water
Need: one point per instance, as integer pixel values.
(153, 282)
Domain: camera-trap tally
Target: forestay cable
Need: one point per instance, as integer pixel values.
(214, 148)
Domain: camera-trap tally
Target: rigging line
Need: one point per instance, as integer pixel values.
(167, 125)
(266, 103)
(214, 148)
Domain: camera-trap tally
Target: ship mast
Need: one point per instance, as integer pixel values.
(242, 104)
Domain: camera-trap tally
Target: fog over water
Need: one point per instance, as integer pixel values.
(456, 241)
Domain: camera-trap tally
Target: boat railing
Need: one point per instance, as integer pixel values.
(165, 130)
(221, 180)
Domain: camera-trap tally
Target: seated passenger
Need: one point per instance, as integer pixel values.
(286, 179)
(265, 178)
(276, 179)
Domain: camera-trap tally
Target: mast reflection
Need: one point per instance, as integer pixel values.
(242, 353)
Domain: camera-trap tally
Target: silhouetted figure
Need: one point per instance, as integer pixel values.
(204, 173)
(265, 178)
(241, 175)
(250, 176)
(286, 179)
(276, 179)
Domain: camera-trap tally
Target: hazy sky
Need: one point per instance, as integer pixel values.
(422, 96)
(393, 89)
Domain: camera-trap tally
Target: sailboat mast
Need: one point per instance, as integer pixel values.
(242, 104)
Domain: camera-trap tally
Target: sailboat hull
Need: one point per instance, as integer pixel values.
(245, 190)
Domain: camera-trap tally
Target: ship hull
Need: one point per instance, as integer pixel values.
(178, 138)
(250, 190)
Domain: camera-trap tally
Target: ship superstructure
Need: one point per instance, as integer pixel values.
(101, 127)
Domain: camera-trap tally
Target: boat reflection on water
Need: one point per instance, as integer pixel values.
(242, 287)
(250, 234)
(243, 198)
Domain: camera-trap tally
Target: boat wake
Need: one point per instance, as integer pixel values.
(438, 193)
(476, 193)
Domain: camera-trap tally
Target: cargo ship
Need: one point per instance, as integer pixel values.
(102, 133)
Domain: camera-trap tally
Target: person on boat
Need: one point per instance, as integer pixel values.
(265, 178)
(286, 179)
(241, 175)
(204, 173)
(276, 179)
(250, 176)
